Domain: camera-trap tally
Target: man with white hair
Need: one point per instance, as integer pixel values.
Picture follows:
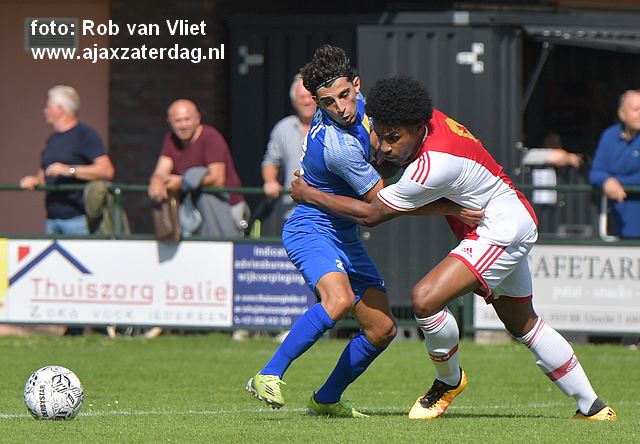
(284, 150)
(617, 164)
(73, 154)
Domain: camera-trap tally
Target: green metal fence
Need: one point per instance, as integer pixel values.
(118, 190)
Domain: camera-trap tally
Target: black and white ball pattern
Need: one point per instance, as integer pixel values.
(53, 392)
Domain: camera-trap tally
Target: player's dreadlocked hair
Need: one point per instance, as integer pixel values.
(399, 100)
(328, 64)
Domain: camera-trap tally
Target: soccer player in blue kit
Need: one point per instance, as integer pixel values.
(327, 249)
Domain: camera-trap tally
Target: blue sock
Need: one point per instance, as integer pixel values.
(355, 359)
(304, 333)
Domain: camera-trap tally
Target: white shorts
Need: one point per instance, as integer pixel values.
(502, 271)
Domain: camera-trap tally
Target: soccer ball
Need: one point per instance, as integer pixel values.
(53, 392)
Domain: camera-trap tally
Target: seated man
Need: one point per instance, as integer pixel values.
(195, 155)
(74, 154)
(617, 164)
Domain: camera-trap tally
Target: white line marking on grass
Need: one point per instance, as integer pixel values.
(158, 412)
(92, 414)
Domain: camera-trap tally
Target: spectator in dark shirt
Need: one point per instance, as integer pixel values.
(74, 154)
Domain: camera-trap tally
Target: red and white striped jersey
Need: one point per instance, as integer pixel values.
(453, 164)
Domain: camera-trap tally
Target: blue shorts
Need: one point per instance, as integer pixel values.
(315, 254)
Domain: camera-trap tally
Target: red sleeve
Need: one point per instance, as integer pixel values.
(168, 147)
(215, 147)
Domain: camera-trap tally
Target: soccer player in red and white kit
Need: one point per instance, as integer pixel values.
(442, 159)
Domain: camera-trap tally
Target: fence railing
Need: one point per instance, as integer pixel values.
(603, 212)
(118, 190)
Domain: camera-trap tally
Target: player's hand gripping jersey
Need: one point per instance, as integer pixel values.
(452, 163)
(335, 160)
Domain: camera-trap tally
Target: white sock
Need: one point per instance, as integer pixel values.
(441, 336)
(556, 359)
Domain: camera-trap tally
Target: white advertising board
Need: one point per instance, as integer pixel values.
(116, 282)
(580, 288)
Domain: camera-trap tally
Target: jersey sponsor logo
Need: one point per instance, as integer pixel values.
(458, 129)
(366, 122)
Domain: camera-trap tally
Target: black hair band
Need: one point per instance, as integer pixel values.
(348, 75)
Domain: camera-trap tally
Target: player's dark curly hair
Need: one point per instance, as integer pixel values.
(399, 101)
(328, 64)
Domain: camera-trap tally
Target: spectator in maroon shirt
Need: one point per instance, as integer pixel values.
(191, 144)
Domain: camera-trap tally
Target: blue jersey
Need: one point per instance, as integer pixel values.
(336, 161)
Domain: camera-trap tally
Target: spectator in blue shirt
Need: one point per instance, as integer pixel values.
(73, 154)
(617, 164)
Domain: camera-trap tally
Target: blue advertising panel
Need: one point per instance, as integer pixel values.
(268, 291)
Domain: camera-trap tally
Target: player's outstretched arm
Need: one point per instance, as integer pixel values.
(374, 213)
(445, 207)
(363, 213)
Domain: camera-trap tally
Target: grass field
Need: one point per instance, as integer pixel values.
(191, 389)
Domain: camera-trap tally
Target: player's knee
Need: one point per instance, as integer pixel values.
(338, 305)
(519, 327)
(425, 300)
(389, 332)
(518, 317)
(382, 333)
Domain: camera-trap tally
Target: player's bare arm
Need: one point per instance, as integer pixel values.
(375, 212)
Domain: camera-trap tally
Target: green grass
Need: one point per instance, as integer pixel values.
(191, 389)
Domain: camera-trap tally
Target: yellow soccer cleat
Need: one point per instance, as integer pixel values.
(340, 409)
(267, 388)
(437, 399)
(606, 413)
